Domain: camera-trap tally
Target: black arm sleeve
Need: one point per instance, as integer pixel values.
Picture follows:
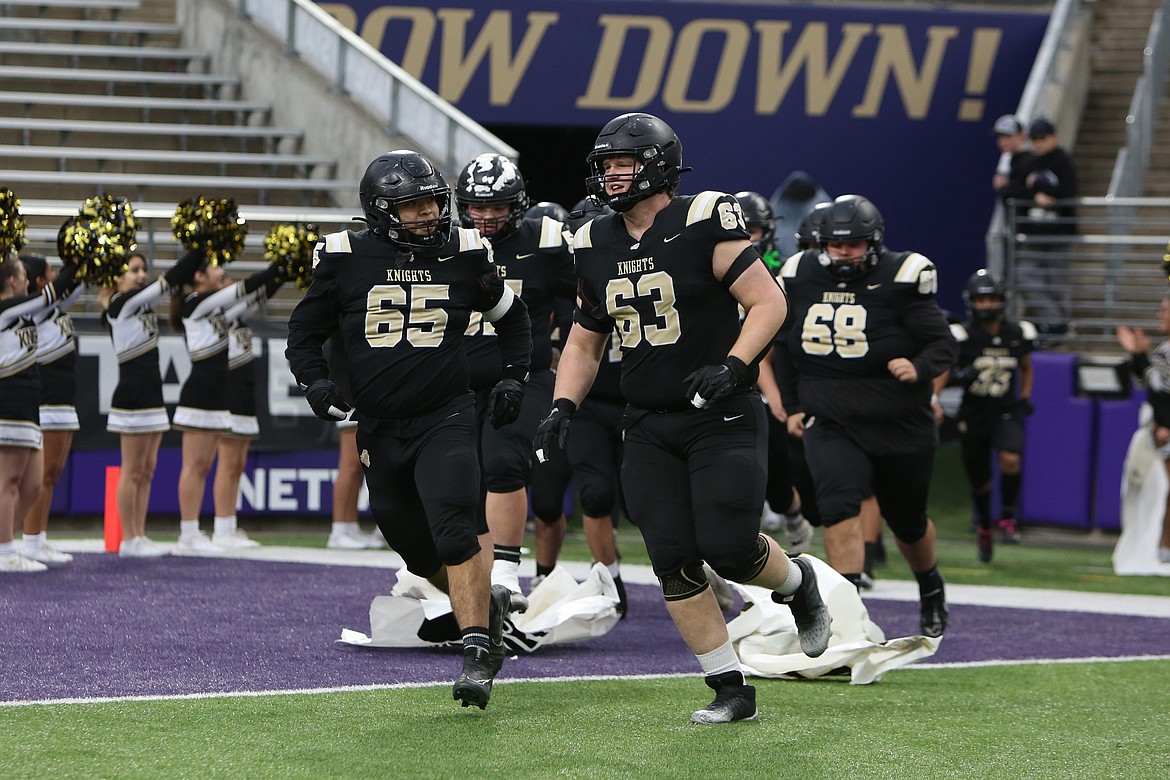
(514, 334)
(310, 325)
(785, 370)
(261, 279)
(65, 282)
(183, 271)
(928, 327)
(1160, 403)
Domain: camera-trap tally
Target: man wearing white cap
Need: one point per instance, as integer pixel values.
(1014, 157)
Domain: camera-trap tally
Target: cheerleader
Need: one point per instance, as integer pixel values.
(232, 450)
(57, 365)
(21, 459)
(137, 413)
(204, 411)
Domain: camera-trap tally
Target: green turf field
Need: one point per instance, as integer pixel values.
(1059, 720)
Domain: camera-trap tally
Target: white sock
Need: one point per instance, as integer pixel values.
(792, 582)
(615, 569)
(7, 548)
(506, 573)
(33, 542)
(225, 525)
(720, 660)
(188, 527)
(347, 529)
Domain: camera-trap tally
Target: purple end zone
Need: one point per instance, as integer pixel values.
(111, 627)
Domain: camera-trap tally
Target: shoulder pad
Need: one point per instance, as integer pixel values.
(470, 240)
(959, 332)
(1028, 330)
(332, 244)
(790, 265)
(917, 269)
(583, 238)
(703, 206)
(552, 233)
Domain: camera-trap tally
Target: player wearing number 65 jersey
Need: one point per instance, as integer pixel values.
(401, 293)
(669, 273)
(857, 359)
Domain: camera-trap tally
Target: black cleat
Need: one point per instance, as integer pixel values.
(934, 613)
(498, 608)
(734, 700)
(813, 622)
(985, 549)
(474, 685)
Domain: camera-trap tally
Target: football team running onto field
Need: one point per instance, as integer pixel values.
(443, 313)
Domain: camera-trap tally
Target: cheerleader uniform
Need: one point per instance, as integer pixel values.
(137, 405)
(242, 370)
(20, 385)
(57, 364)
(204, 400)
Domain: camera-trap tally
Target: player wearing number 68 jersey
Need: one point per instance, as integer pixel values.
(401, 294)
(858, 358)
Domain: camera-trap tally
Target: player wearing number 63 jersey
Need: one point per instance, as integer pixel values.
(401, 293)
(857, 359)
(669, 273)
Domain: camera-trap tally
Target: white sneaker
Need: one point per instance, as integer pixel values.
(234, 540)
(1164, 554)
(770, 521)
(18, 564)
(49, 555)
(142, 547)
(196, 542)
(349, 540)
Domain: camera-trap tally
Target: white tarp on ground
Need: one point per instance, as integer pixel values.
(560, 610)
(1143, 506)
(765, 636)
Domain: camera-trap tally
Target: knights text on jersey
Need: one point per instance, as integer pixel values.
(997, 361)
(841, 335)
(537, 264)
(660, 294)
(402, 318)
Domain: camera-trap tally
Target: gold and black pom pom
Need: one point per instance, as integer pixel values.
(12, 224)
(99, 239)
(214, 226)
(290, 245)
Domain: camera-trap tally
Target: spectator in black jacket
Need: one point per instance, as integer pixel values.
(1042, 265)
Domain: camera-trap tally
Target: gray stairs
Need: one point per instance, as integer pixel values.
(96, 94)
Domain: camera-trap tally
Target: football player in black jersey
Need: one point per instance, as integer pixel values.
(401, 293)
(670, 274)
(858, 362)
(995, 371)
(534, 258)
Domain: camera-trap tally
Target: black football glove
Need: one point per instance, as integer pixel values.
(714, 383)
(553, 431)
(326, 402)
(503, 406)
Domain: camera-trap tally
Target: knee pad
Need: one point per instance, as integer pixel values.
(908, 531)
(684, 582)
(741, 570)
(597, 500)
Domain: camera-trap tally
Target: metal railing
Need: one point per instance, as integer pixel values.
(1134, 157)
(1101, 278)
(356, 68)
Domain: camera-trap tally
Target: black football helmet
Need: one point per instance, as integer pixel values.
(399, 177)
(585, 210)
(851, 217)
(983, 285)
(809, 230)
(491, 179)
(546, 208)
(652, 143)
(757, 213)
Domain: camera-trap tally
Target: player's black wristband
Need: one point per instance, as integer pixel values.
(564, 406)
(519, 373)
(739, 370)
